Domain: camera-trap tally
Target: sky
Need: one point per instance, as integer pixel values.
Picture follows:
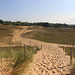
(52, 11)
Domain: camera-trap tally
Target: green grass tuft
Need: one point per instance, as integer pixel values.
(17, 59)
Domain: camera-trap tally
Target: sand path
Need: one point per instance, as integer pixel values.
(51, 60)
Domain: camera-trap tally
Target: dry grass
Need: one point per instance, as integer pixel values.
(52, 35)
(7, 32)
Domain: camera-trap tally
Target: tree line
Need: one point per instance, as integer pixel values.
(45, 24)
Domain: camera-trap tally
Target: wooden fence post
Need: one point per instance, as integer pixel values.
(24, 50)
(63, 48)
(72, 46)
(41, 47)
(17, 46)
(30, 42)
(20, 43)
(70, 55)
(67, 47)
(36, 47)
(9, 43)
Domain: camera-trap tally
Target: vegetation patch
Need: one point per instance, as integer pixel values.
(17, 58)
(6, 33)
(45, 24)
(68, 50)
(52, 34)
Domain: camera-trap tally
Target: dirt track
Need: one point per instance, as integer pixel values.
(51, 60)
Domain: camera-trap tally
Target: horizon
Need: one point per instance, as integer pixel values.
(50, 11)
(39, 22)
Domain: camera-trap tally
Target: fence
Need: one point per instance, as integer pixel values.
(69, 50)
(8, 53)
(19, 45)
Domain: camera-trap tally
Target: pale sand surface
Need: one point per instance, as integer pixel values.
(51, 60)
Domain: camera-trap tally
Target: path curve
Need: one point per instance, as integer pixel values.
(51, 60)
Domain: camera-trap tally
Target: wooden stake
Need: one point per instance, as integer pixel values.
(63, 48)
(20, 43)
(67, 47)
(30, 43)
(24, 50)
(36, 47)
(70, 55)
(41, 47)
(17, 46)
(73, 46)
(9, 43)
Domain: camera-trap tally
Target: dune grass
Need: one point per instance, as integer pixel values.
(52, 35)
(17, 59)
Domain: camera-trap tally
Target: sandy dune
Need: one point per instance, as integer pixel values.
(51, 60)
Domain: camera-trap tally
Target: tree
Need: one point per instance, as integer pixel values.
(1, 21)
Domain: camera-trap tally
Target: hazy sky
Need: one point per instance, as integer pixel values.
(54, 11)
